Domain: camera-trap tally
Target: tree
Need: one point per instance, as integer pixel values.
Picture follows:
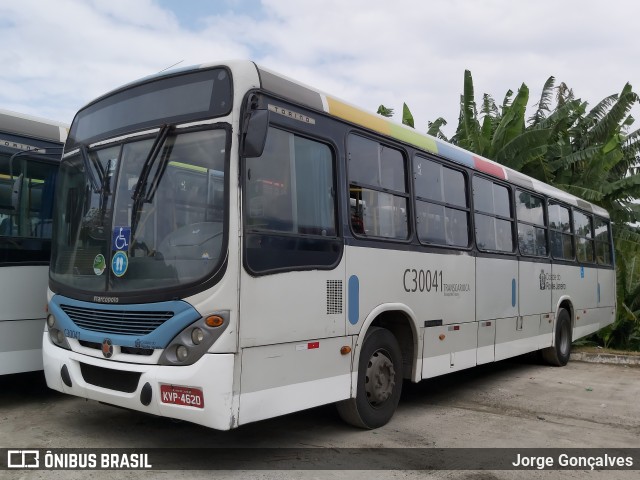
(592, 154)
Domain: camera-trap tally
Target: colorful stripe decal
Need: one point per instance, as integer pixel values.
(489, 167)
(355, 115)
(380, 124)
(456, 154)
(304, 95)
(409, 135)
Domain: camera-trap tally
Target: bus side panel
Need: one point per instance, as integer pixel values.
(516, 335)
(449, 348)
(582, 282)
(292, 327)
(497, 288)
(606, 288)
(284, 378)
(436, 288)
(24, 292)
(291, 306)
(497, 301)
(23, 297)
(606, 296)
(486, 342)
(21, 346)
(535, 287)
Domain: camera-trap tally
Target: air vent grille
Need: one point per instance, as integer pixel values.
(334, 297)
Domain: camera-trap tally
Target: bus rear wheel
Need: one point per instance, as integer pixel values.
(379, 382)
(558, 355)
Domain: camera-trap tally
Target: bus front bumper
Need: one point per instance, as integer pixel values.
(212, 374)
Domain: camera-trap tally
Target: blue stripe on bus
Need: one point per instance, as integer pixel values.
(184, 315)
(459, 156)
(513, 292)
(354, 299)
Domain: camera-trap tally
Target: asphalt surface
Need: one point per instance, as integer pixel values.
(515, 404)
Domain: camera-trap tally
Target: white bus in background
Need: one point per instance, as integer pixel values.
(231, 245)
(30, 150)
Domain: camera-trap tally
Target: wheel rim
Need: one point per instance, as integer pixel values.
(380, 378)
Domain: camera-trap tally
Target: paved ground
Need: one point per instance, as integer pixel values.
(509, 404)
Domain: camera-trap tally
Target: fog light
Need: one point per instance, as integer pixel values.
(182, 353)
(197, 336)
(59, 336)
(51, 320)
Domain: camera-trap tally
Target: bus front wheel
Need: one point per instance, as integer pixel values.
(558, 355)
(379, 382)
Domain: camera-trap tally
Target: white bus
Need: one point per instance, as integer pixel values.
(30, 150)
(231, 245)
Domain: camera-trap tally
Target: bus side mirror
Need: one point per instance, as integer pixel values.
(255, 135)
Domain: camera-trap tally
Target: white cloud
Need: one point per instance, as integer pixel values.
(57, 56)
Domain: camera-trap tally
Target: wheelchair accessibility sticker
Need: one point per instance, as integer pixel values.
(119, 263)
(120, 238)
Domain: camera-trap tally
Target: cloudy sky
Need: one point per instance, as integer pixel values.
(58, 55)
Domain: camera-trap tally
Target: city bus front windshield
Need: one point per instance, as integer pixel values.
(128, 220)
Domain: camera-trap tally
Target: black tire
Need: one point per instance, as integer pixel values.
(376, 398)
(558, 355)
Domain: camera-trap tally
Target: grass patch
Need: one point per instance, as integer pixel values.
(585, 349)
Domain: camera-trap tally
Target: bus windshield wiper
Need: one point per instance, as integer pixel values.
(140, 194)
(90, 165)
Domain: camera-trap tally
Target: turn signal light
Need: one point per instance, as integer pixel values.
(345, 350)
(214, 321)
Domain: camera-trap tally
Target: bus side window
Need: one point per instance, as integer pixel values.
(378, 193)
(290, 205)
(493, 217)
(441, 204)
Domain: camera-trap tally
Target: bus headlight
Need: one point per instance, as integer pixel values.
(182, 353)
(56, 335)
(193, 341)
(197, 336)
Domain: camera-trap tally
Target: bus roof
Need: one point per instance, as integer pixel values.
(34, 127)
(300, 93)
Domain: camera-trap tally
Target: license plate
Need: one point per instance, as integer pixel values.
(177, 395)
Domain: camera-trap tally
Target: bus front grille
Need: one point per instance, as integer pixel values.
(116, 322)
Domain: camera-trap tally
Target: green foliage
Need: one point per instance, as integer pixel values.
(384, 111)
(407, 118)
(435, 128)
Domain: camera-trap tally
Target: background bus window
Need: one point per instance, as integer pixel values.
(584, 236)
(560, 235)
(377, 189)
(532, 234)
(441, 204)
(26, 205)
(493, 219)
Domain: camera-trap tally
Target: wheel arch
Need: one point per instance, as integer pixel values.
(566, 303)
(400, 320)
